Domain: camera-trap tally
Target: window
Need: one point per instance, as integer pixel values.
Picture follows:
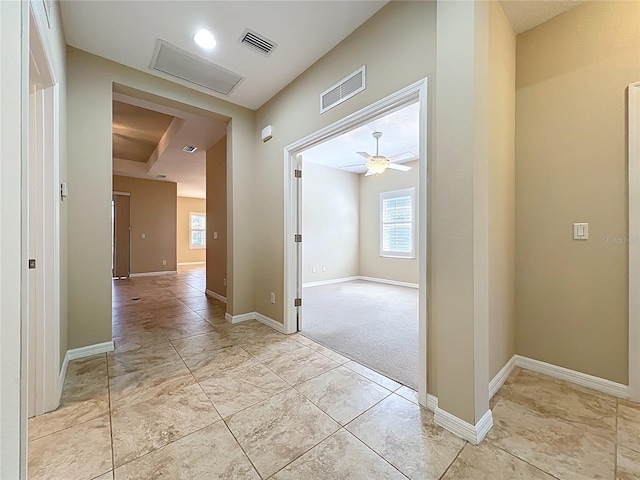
(397, 223)
(197, 231)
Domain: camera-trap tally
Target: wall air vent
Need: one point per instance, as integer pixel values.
(189, 148)
(257, 42)
(181, 64)
(343, 90)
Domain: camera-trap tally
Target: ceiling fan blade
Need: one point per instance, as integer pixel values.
(395, 166)
(369, 173)
(354, 165)
(400, 157)
(364, 154)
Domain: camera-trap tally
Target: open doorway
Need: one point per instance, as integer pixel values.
(360, 262)
(336, 289)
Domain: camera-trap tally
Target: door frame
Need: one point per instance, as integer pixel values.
(417, 91)
(44, 323)
(633, 131)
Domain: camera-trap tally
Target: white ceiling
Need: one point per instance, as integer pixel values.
(526, 14)
(400, 134)
(188, 170)
(126, 32)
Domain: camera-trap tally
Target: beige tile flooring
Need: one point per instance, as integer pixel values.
(186, 395)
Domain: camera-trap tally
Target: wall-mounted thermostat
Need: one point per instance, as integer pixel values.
(267, 133)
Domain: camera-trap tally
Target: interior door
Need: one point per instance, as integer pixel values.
(121, 236)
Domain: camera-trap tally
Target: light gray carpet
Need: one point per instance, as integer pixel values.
(372, 323)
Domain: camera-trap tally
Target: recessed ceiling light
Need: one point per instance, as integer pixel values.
(204, 38)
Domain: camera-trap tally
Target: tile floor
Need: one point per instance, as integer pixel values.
(186, 395)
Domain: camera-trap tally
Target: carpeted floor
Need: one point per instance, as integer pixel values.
(372, 323)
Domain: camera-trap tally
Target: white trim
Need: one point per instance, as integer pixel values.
(217, 296)
(418, 91)
(432, 402)
(474, 434)
(122, 194)
(501, 377)
(63, 375)
(269, 322)
(579, 378)
(153, 274)
(389, 282)
(89, 350)
(329, 282)
(244, 317)
(634, 241)
(191, 263)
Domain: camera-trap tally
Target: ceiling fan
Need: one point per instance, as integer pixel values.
(376, 164)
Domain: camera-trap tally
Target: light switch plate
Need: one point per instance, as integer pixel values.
(581, 231)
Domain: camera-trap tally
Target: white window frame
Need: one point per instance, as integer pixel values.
(405, 192)
(191, 230)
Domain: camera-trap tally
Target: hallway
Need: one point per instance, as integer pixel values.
(187, 395)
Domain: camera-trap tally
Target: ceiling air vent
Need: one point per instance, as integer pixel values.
(343, 90)
(257, 42)
(189, 148)
(181, 64)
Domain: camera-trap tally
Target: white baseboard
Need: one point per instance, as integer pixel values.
(63, 375)
(191, 263)
(153, 274)
(89, 350)
(579, 378)
(359, 277)
(270, 322)
(329, 282)
(389, 282)
(501, 377)
(217, 296)
(77, 353)
(432, 402)
(474, 434)
(240, 318)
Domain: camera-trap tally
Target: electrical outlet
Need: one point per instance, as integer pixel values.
(324, 268)
(313, 269)
(215, 235)
(273, 297)
(164, 262)
(224, 282)
(142, 235)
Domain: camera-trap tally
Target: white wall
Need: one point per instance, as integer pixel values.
(330, 215)
(371, 263)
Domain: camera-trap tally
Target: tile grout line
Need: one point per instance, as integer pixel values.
(537, 467)
(615, 450)
(113, 455)
(454, 460)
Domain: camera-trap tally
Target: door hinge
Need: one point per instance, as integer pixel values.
(297, 302)
(32, 263)
(297, 238)
(297, 173)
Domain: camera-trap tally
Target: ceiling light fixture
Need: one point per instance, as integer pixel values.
(204, 39)
(161, 176)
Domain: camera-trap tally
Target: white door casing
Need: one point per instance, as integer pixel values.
(293, 196)
(634, 240)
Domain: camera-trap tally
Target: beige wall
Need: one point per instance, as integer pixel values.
(408, 41)
(502, 97)
(91, 81)
(371, 263)
(330, 216)
(571, 296)
(188, 205)
(153, 214)
(216, 254)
